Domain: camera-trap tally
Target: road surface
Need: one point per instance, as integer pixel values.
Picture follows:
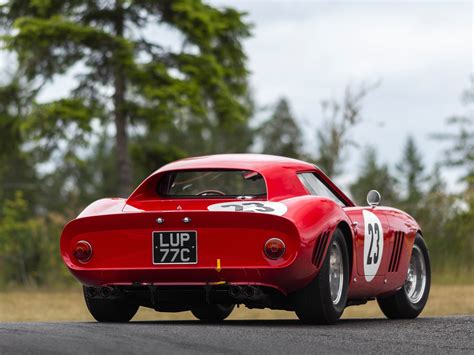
(424, 335)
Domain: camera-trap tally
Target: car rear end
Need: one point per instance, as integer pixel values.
(172, 246)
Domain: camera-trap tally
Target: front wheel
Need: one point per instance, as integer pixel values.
(324, 299)
(212, 312)
(409, 301)
(118, 310)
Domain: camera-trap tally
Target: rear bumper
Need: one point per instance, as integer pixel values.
(285, 280)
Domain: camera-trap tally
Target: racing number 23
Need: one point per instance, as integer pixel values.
(374, 234)
(252, 207)
(275, 208)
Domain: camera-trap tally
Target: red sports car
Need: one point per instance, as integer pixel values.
(208, 233)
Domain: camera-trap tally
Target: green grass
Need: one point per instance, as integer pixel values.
(453, 275)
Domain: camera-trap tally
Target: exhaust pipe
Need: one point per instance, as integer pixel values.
(236, 292)
(105, 292)
(254, 293)
(91, 292)
(250, 292)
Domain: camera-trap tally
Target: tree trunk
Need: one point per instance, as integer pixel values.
(121, 137)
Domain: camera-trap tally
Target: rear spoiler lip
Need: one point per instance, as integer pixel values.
(130, 206)
(122, 214)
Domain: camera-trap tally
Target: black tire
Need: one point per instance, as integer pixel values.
(313, 304)
(110, 310)
(212, 312)
(399, 305)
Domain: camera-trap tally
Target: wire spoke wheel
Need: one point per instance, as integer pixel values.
(408, 302)
(416, 276)
(323, 300)
(336, 272)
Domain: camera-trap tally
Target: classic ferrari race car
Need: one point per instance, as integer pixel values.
(205, 234)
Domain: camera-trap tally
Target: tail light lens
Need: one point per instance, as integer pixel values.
(82, 251)
(274, 248)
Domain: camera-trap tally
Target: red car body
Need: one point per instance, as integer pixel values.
(230, 248)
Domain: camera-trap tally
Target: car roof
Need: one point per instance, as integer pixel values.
(278, 172)
(254, 162)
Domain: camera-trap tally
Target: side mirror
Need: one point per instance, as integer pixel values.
(373, 198)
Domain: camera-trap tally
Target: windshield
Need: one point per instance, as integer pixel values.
(212, 183)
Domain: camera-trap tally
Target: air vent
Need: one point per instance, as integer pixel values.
(319, 249)
(396, 251)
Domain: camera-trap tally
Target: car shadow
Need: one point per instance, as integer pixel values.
(279, 322)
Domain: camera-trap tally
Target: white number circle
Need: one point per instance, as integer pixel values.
(275, 208)
(373, 244)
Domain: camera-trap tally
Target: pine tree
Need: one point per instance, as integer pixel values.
(373, 176)
(280, 134)
(454, 251)
(460, 154)
(411, 171)
(17, 168)
(126, 72)
(436, 207)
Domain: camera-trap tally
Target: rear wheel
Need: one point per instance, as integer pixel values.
(324, 299)
(409, 301)
(212, 312)
(119, 310)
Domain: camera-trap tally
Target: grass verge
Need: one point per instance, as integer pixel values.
(26, 306)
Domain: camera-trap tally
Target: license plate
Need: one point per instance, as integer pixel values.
(177, 247)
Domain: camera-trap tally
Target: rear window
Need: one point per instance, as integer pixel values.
(212, 183)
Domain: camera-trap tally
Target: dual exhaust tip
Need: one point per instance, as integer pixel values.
(101, 292)
(251, 293)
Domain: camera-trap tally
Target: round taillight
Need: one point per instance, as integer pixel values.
(274, 248)
(82, 251)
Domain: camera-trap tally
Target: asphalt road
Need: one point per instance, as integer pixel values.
(424, 335)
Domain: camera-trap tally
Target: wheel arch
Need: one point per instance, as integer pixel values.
(316, 219)
(346, 231)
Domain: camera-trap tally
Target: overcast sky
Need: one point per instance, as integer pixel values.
(307, 51)
(422, 52)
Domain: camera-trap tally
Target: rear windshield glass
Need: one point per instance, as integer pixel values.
(212, 183)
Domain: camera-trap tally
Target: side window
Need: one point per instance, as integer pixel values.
(316, 187)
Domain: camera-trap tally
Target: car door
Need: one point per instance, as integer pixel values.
(372, 243)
